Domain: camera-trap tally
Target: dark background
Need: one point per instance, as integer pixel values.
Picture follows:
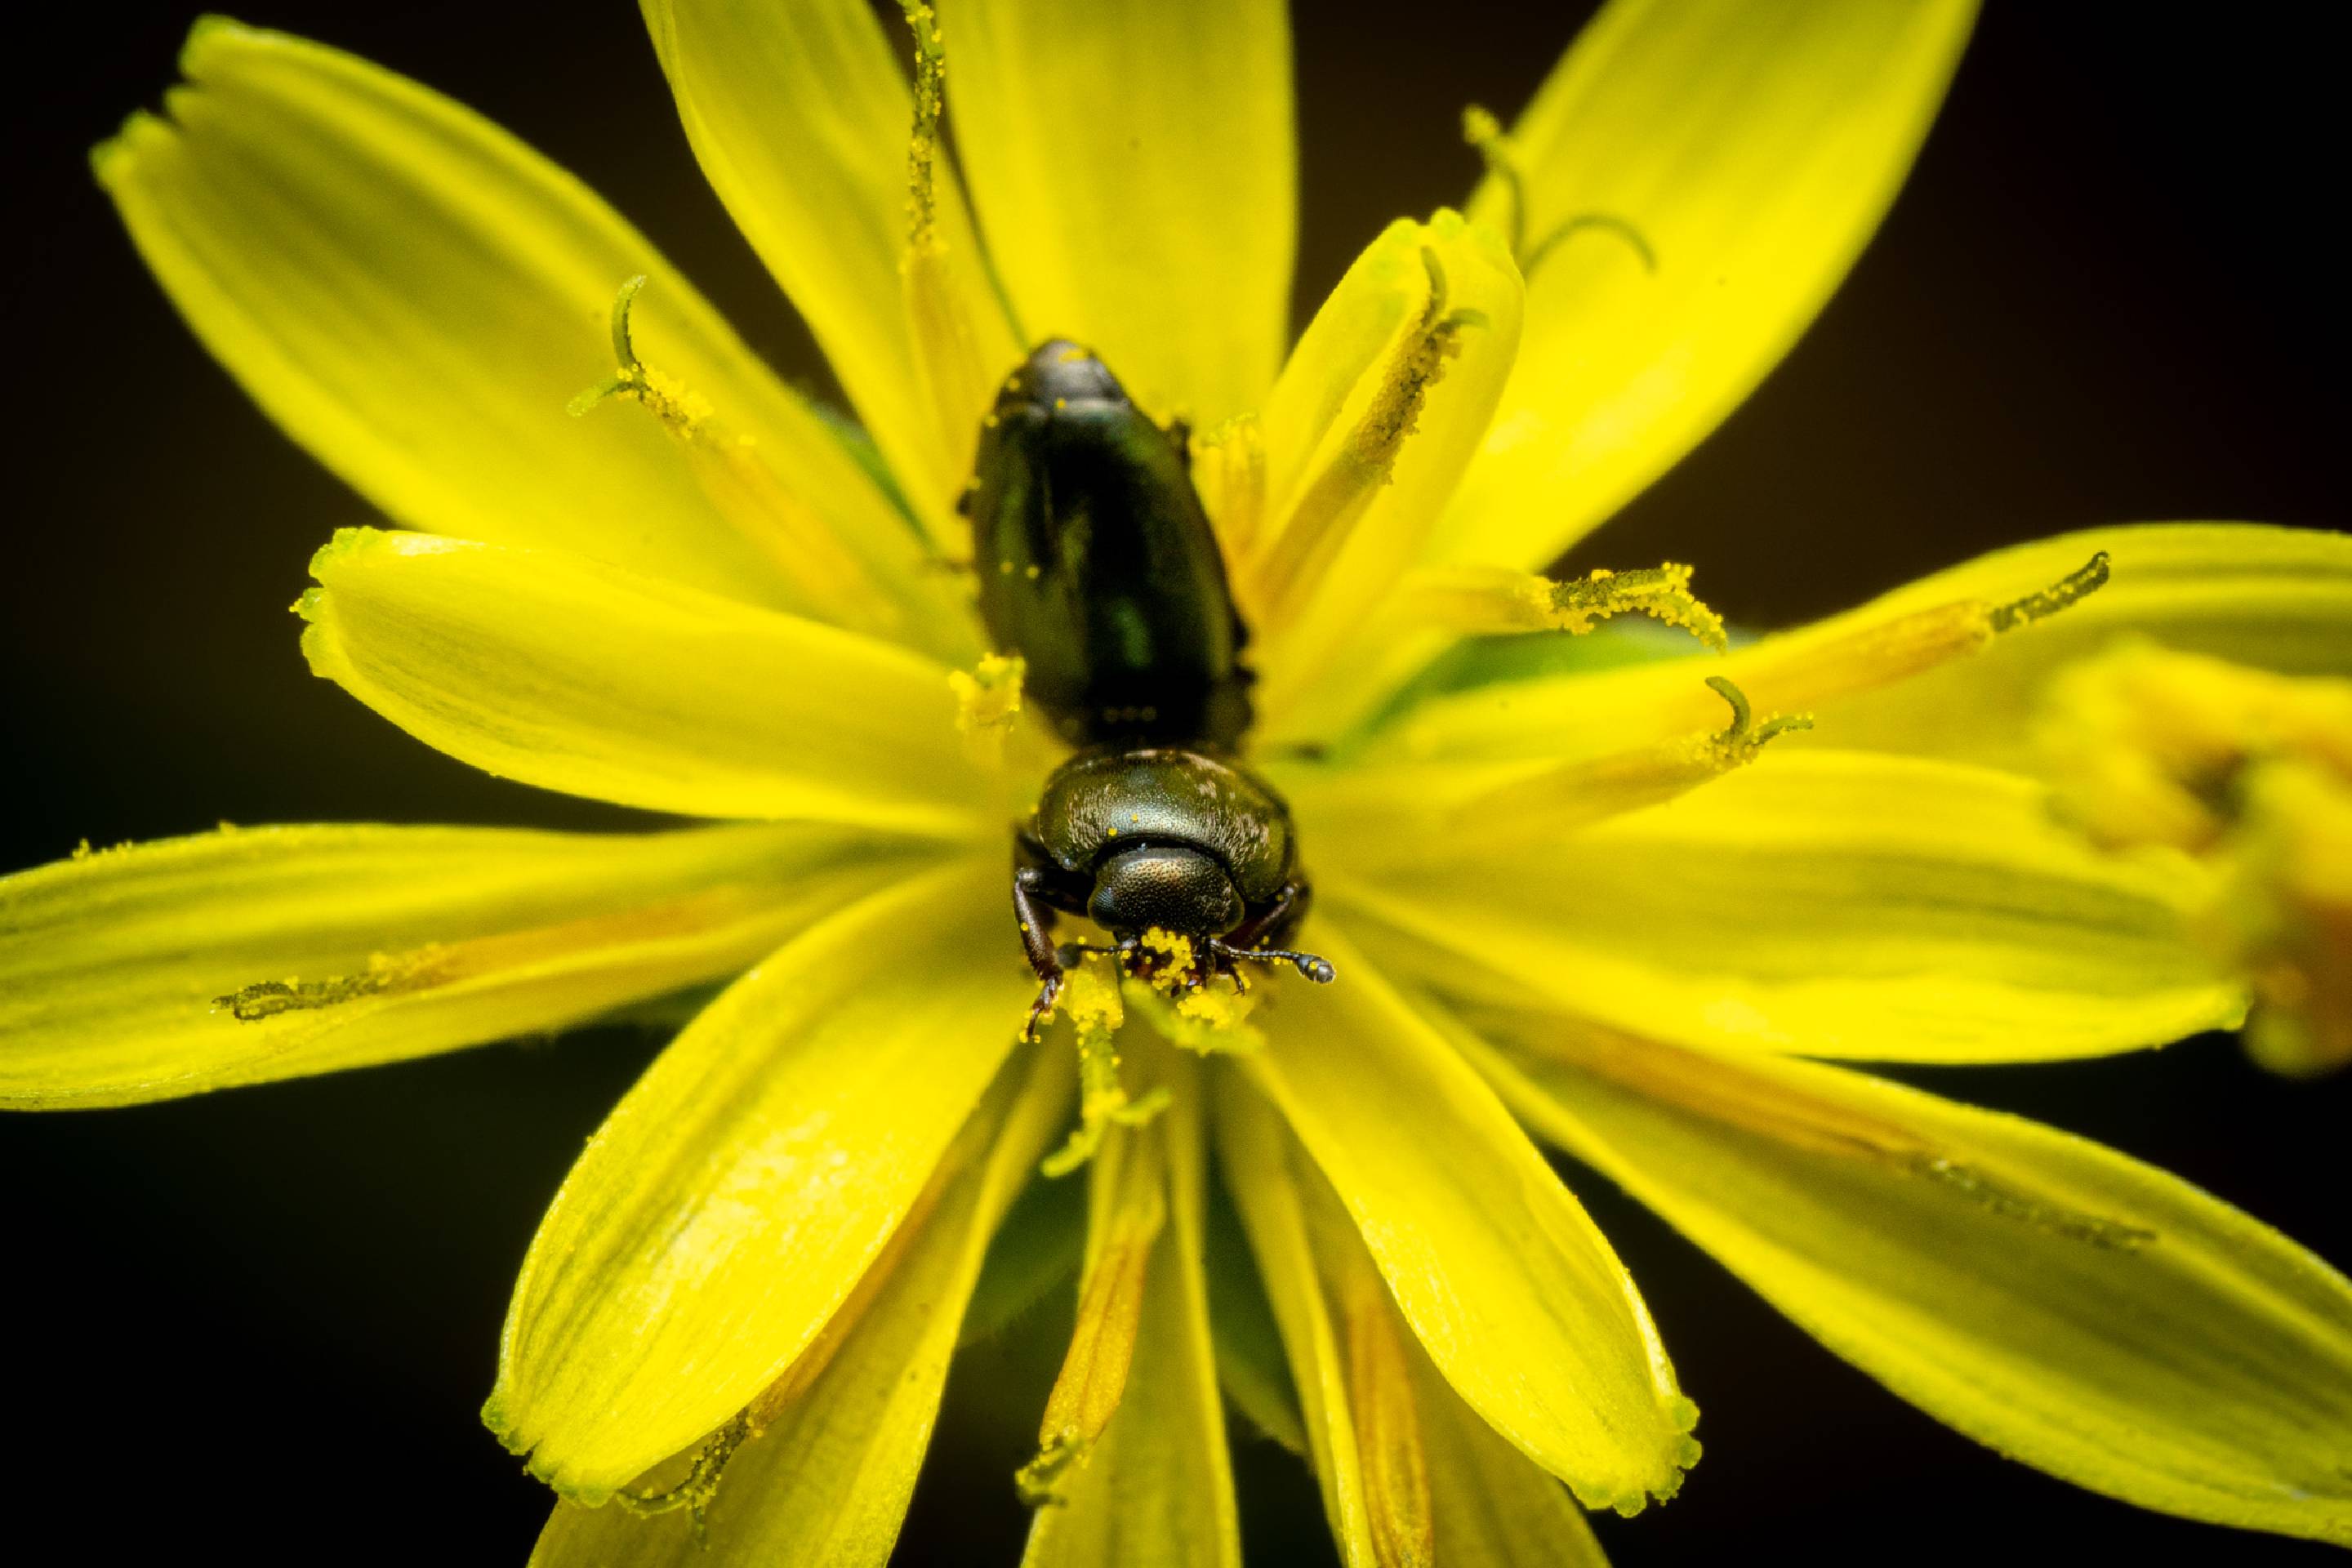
(260, 1323)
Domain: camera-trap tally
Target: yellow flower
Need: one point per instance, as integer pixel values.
(1569, 887)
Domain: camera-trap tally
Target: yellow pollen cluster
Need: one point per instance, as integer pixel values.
(1491, 599)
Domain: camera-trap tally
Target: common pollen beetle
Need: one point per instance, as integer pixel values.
(1098, 566)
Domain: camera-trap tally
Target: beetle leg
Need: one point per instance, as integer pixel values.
(1036, 918)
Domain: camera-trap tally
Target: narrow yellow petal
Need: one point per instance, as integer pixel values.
(236, 957)
(1467, 1496)
(1128, 1203)
(1491, 1506)
(827, 1478)
(1157, 1489)
(1132, 163)
(801, 117)
(1258, 1160)
(1376, 415)
(1727, 168)
(553, 669)
(1825, 903)
(415, 296)
(734, 1198)
(1511, 1288)
(2071, 1308)
(1925, 669)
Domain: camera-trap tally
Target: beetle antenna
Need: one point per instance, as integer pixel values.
(1312, 966)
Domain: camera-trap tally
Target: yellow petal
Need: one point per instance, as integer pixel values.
(1511, 1288)
(1754, 154)
(1132, 162)
(1351, 1355)
(801, 117)
(1820, 903)
(1482, 1500)
(1156, 1489)
(1257, 1157)
(733, 1199)
(1375, 416)
(240, 956)
(2071, 1308)
(414, 296)
(1921, 669)
(550, 668)
(827, 1478)
(1492, 1508)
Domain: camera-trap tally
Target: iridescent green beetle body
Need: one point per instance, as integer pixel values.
(1097, 565)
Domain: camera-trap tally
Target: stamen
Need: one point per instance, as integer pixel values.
(2010, 1204)
(700, 1484)
(1092, 1001)
(739, 480)
(684, 411)
(958, 358)
(2071, 589)
(923, 144)
(385, 973)
(1366, 458)
(436, 965)
(1787, 1115)
(1481, 131)
(1575, 795)
(1129, 1208)
(1209, 1020)
(1473, 600)
(1583, 222)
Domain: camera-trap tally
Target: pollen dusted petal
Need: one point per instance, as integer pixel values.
(1753, 156)
(414, 295)
(155, 970)
(1512, 1291)
(553, 669)
(799, 114)
(827, 1477)
(1376, 414)
(1822, 903)
(2071, 1308)
(1132, 163)
(734, 1198)
(1156, 1489)
(1921, 669)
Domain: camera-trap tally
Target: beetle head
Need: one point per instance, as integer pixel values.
(1176, 889)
